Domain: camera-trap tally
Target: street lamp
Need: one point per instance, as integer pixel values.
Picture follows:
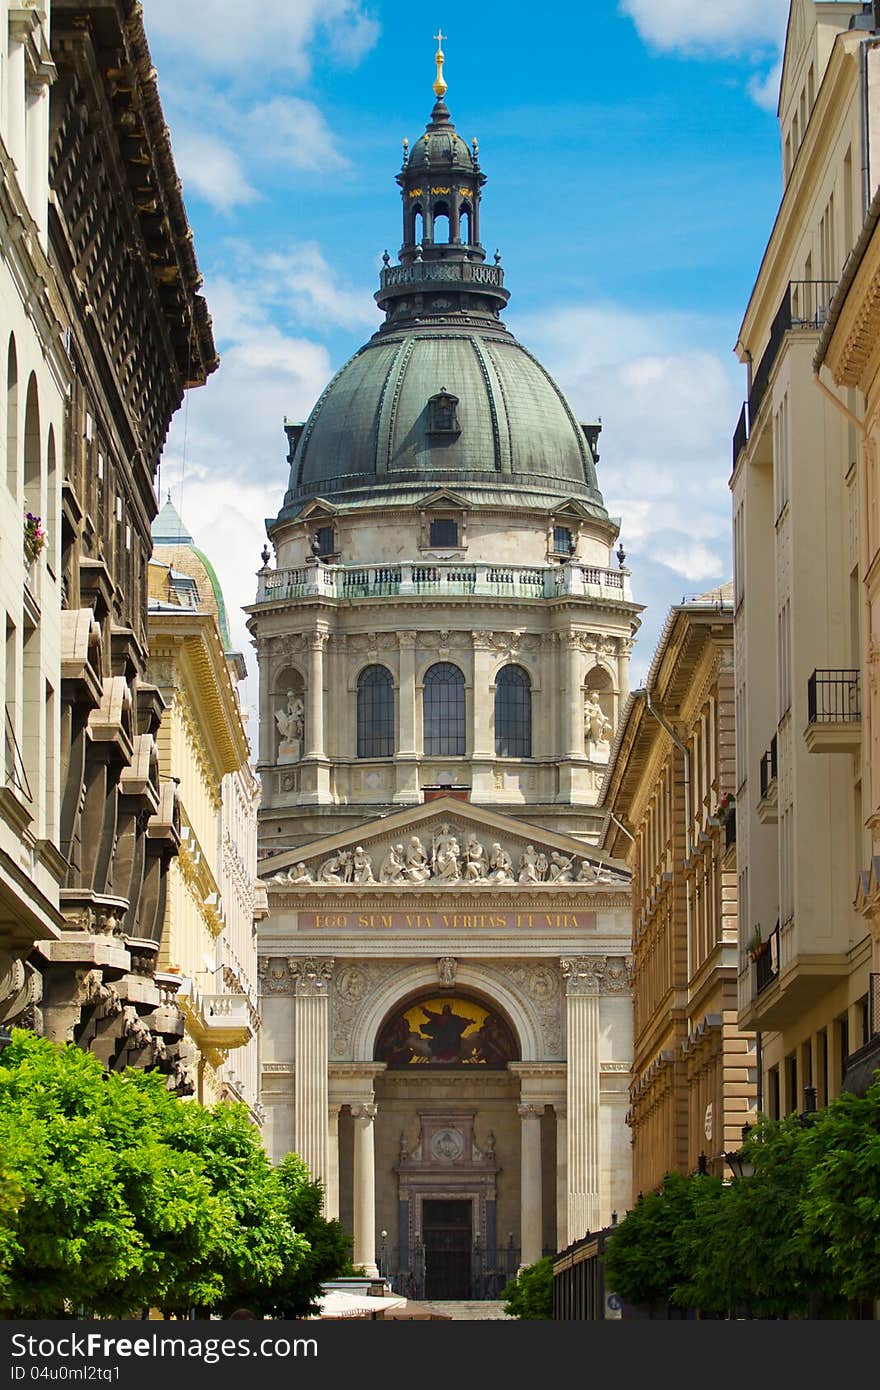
(736, 1160)
(383, 1258)
(5, 1037)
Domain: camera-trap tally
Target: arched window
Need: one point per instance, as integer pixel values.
(32, 479)
(12, 417)
(375, 713)
(465, 223)
(513, 713)
(441, 223)
(418, 227)
(444, 710)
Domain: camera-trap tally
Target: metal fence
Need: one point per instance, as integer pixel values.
(477, 1273)
(833, 697)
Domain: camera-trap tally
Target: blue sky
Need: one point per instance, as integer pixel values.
(632, 152)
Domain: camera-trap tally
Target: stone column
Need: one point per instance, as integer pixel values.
(311, 1056)
(574, 699)
(484, 743)
(561, 1177)
(582, 975)
(364, 1251)
(331, 1191)
(406, 759)
(315, 717)
(531, 1196)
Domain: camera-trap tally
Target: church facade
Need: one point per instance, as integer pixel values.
(444, 642)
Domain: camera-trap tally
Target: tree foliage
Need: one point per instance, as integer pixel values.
(530, 1294)
(115, 1195)
(798, 1238)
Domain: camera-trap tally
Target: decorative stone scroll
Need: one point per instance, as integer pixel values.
(311, 976)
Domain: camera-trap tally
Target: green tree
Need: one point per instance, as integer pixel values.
(841, 1200)
(530, 1294)
(293, 1293)
(131, 1197)
(644, 1260)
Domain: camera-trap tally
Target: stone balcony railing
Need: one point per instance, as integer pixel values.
(443, 579)
(469, 272)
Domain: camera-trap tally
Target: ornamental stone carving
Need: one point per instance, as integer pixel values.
(291, 719)
(353, 988)
(446, 969)
(274, 976)
(541, 986)
(582, 974)
(452, 856)
(311, 976)
(364, 1110)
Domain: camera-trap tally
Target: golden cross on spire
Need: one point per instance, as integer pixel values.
(440, 86)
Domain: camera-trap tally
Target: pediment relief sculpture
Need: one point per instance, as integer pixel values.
(450, 855)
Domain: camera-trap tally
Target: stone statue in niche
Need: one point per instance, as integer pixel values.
(291, 726)
(597, 726)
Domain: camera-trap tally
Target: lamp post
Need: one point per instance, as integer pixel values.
(5, 1037)
(739, 1164)
(383, 1257)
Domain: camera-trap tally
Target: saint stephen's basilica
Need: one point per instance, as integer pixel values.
(443, 645)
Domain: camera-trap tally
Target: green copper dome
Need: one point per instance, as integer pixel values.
(442, 395)
(374, 429)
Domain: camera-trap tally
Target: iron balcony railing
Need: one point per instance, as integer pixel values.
(833, 697)
(741, 433)
(768, 768)
(804, 306)
(471, 272)
(767, 961)
(442, 578)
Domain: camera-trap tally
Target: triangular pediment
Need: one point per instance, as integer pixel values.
(570, 507)
(446, 842)
(442, 498)
(317, 507)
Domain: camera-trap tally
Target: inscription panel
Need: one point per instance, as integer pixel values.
(371, 919)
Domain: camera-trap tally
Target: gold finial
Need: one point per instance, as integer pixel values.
(440, 87)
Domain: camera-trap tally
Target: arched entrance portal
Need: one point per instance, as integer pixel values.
(448, 1136)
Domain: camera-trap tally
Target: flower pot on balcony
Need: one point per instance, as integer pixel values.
(761, 949)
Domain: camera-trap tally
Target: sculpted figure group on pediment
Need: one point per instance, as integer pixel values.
(453, 857)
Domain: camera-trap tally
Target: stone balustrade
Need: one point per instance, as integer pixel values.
(443, 578)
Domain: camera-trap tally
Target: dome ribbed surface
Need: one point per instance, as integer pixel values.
(370, 428)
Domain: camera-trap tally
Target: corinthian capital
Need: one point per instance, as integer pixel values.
(365, 1110)
(311, 976)
(583, 974)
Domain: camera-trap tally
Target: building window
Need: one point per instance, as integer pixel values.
(444, 531)
(562, 542)
(444, 710)
(443, 414)
(325, 540)
(513, 713)
(375, 713)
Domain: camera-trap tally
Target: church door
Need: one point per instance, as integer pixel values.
(446, 1231)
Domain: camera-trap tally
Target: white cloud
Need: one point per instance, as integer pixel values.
(211, 170)
(308, 285)
(695, 26)
(764, 91)
(291, 132)
(669, 403)
(246, 41)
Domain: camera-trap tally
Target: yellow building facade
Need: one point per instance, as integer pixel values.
(203, 747)
(669, 792)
